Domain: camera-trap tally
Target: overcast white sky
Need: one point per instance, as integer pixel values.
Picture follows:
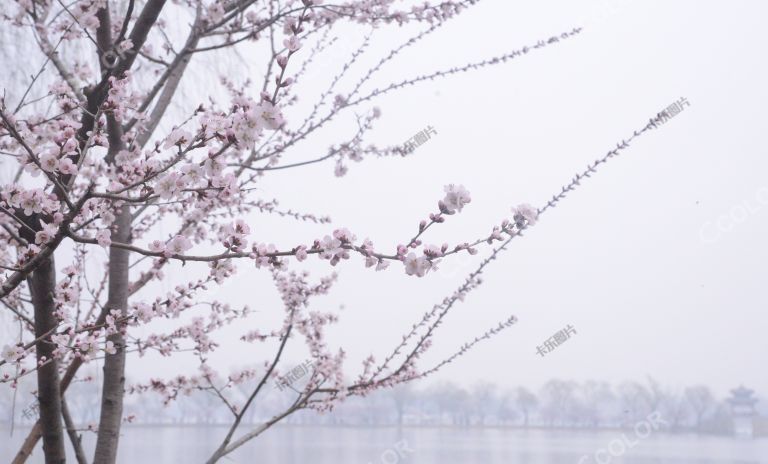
(635, 260)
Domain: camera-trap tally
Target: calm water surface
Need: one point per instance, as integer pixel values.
(339, 445)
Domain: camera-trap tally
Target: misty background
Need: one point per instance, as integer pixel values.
(658, 261)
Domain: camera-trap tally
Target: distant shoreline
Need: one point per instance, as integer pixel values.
(585, 430)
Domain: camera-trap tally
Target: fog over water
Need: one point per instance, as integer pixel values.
(320, 445)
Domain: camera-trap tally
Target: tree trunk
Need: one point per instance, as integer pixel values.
(42, 284)
(113, 388)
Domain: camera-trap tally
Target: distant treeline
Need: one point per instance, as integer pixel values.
(557, 404)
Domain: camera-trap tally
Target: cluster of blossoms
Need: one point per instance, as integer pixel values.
(67, 293)
(46, 233)
(28, 201)
(417, 265)
(379, 11)
(525, 215)
(65, 100)
(251, 119)
(235, 236)
(170, 388)
(177, 245)
(456, 196)
(12, 353)
(333, 247)
(121, 99)
(342, 243)
(370, 259)
(58, 159)
(221, 269)
(178, 137)
(243, 127)
(190, 177)
(83, 14)
(86, 346)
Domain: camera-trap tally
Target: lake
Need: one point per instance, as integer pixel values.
(418, 445)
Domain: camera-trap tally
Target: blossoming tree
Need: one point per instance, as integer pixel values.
(95, 170)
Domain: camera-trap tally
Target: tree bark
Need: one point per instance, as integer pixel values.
(42, 284)
(113, 388)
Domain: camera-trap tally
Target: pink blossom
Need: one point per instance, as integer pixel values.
(235, 237)
(289, 24)
(169, 185)
(340, 170)
(247, 127)
(456, 196)
(525, 213)
(222, 269)
(104, 238)
(292, 43)
(344, 235)
(332, 250)
(157, 246)
(46, 234)
(49, 161)
(109, 347)
(11, 353)
(215, 12)
(417, 265)
(269, 115)
(67, 167)
(144, 312)
(192, 174)
(433, 251)
(177, 137)
(178, 245)
(125, 45)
